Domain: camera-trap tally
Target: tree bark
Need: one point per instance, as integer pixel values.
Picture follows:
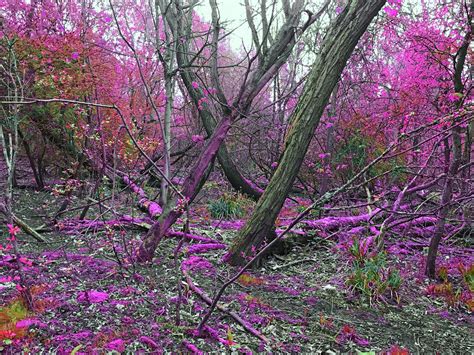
(337, 47)
(455, 162)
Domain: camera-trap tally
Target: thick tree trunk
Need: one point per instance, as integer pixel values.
(338, 45)
(191, 187)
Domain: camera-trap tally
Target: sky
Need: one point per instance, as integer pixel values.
(232, 12)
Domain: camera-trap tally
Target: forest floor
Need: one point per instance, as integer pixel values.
(90, 298)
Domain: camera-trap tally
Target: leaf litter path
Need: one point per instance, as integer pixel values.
(87, 303)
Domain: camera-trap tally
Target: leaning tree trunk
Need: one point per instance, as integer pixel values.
(257, 80)
(232, 173)
(337, 47)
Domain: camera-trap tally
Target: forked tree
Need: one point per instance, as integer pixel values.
(179, 19)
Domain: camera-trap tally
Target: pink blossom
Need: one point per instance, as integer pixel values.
(13, 230)
(75, 55)
(195, 84)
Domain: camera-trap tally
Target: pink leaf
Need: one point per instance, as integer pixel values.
(117, 345)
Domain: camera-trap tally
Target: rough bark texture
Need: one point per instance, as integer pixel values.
(337, 47)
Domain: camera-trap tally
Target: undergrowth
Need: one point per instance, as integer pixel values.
(371, 276)
(228, 206)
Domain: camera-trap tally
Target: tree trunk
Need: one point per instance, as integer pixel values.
(232, 173)
(337, 47)
(36, 174)
(192, 184)
(447, 195)
(257, 80)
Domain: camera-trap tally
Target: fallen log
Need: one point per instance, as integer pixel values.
(28, 230)
(72, 226)
(330, 223)
(151, 207)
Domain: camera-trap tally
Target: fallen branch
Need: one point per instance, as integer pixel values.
(23, 225)
(28, 230)
(330, 223)
(72, 226)
(235, 316)
(203, 248)
(151, 207)
(294, 263)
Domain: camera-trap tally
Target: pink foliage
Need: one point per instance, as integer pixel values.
(203, 248)
(93, 296)
(117, 345)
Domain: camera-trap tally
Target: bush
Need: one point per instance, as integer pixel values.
(370, 275)
(229, 206)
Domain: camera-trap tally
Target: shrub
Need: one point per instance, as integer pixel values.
(228, 206)
(370, 275)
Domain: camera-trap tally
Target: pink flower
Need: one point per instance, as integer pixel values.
(13, 230)
(195, 85)
(274, 165)
(75, 55)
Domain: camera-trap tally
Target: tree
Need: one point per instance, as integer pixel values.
(453, 163)
(256, 79)
(336, 49)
